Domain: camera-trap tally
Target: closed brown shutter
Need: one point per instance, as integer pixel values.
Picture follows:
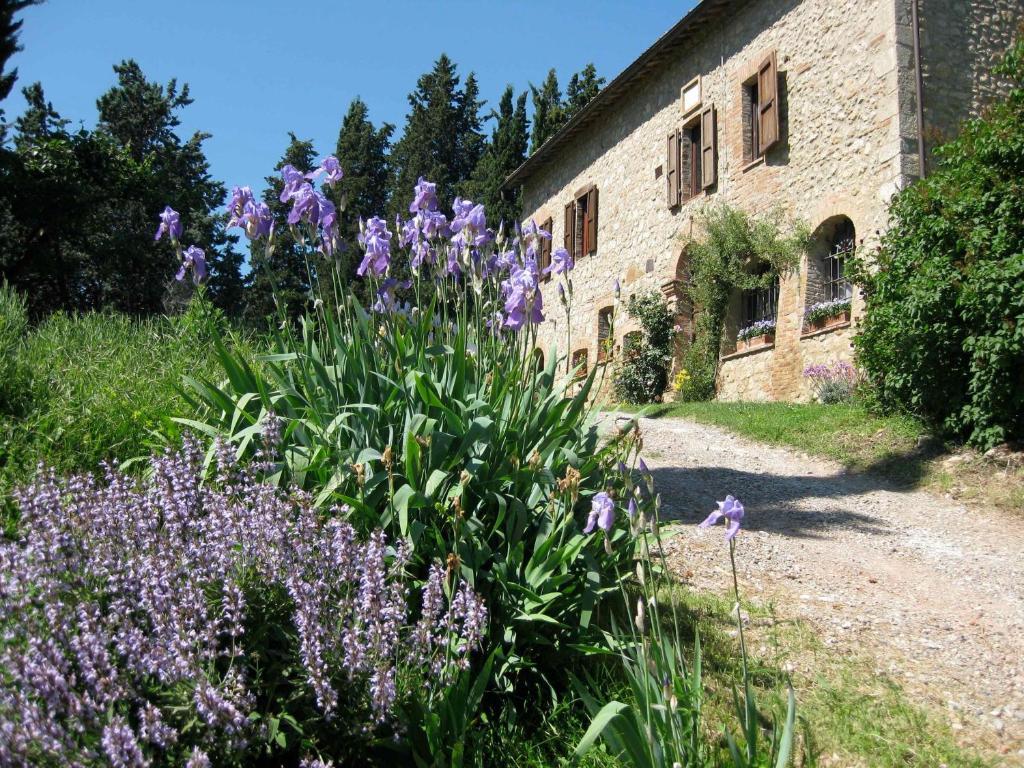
(592, 220)
(672, 172)
(570, 225)
(768, 104)
(708, 144)
(545, 247)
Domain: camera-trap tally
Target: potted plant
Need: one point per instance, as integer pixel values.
(826, 314)
(757, 334)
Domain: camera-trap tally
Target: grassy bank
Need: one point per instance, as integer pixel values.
(896, 447)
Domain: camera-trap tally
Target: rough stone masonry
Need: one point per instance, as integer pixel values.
(846, 104)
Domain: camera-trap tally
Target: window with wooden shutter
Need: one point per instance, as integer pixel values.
(768, 104)
(569, 236)
(708, 145)
(592, 220)
(544, 250)
(672, 164)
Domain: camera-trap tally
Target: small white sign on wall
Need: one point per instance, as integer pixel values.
(691, 95)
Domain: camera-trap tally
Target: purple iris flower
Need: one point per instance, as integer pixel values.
(426, 197)
(309, 204)
(385, 296)
(468, 215)
(434, 224)
(523, 302)
(602, 513)
(256, 220)
(293, 180)
(240, 197)
(195, 260)
(732, 511)
(632, 510)
(331, 167)
(530, 231)
(643, 467)
(376, 240)
(561, 262)
(170, 224)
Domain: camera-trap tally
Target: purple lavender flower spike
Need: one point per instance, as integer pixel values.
(170, 224)
(731, 510)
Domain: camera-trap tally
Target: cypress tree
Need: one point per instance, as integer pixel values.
(504, 153)
(442, 140)
(547, 110)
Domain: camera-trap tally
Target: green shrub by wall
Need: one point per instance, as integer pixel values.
(943, 334)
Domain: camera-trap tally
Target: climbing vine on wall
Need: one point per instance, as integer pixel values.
(736, 252)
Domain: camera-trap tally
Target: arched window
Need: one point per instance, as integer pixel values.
(579, 363)
(538, 359)
(833, 243)
(686, 314)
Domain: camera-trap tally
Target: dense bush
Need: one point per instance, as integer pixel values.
(943, 333)
(642, 374)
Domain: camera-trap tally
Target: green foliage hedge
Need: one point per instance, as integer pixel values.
(943, 335)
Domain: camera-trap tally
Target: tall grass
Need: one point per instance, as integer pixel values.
(80, 389)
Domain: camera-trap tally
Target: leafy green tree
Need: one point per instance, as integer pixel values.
(504, 153)
(362, 151)
(943, 332)
(142, 118)
(442, 141)
(281, 280)
(78, 210)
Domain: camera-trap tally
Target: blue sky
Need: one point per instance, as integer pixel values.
(259, 69)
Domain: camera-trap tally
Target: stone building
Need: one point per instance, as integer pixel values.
(811, 106)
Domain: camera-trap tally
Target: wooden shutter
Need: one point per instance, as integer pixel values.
(767, 104)
(570, 226)
(592, 220)
(545, 248)
(708, 144)
(672, 166)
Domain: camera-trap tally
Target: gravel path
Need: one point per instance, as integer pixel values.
(933, 592)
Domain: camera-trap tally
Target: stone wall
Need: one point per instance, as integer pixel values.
(843, 153)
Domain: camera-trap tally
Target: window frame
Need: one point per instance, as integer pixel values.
(764, 303)
(844, 242)
(605, 333)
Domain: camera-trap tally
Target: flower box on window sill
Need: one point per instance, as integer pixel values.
(822, 323)
(753, 342)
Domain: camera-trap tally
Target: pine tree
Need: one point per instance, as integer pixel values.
(547, 110)
(442, 140)
(504, 153)
(362, 151)
(9, 29)
(281, 281)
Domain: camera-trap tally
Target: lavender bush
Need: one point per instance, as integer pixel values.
(210, 622)
(832, 382)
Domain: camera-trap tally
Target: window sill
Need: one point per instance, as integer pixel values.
(823, 331)
(745, 352)
(752, 164)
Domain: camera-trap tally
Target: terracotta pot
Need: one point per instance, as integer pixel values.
(757, 341)
(821, 323)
